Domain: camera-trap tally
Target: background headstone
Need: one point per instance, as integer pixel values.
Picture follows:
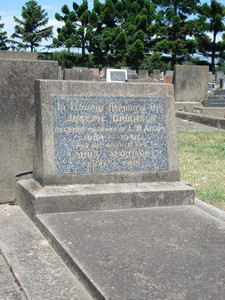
(17, 118)
(116, 75)
(219, 75)
(18, 55)
(142, 73)
(78, 74)
(156, 74)
(222, 83)
(190, 83)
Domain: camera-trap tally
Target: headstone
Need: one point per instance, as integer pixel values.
(18, 55)
(190, 83)
(156, 74)
(131, 74)
(211, 86)
(96, 73)
(101, 140)
(142, 73)
(168, 79)
(211, 76)
(17, 119)
(102, 73)
(217, 99)
(169, 72)
(116, 75)
(78, 74)
(219, 75)
(222, 83)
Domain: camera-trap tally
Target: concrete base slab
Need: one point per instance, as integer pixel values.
(31, 269)
(35, 199)
(154, 253)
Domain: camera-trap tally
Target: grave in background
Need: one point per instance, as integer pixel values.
(18, 55)
(216, 99)
(103, 146)
(17, 118)
(116, 75)
(78, 74)
(190, 85)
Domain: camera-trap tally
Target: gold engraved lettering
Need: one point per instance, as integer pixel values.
(79, 107)
(134, 119)
(96, 138)
(60, 106)
(82, 146)
(128, 154)
(117, 107)
(84, 155)
(86, 119)
(96, 164)
(131, 163)
(68, 129)
(127, 137)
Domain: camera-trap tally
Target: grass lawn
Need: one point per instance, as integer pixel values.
(202, 164)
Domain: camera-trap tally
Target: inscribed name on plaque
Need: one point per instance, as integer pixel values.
(109, 134)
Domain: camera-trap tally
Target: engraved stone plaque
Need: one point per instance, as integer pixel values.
(109, 134)
(116, 75)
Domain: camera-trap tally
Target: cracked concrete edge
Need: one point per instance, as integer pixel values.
(40, 271)
(210, 209)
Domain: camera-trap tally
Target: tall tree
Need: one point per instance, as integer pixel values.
(31, 29)
(138, 19)
(174, 28)
(108, 43)
(212, 18)
(77, 30)
(3, 38)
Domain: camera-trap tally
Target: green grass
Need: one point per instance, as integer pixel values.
(202, 164)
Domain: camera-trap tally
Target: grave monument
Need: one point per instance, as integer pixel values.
(102, 145)
(17, 117)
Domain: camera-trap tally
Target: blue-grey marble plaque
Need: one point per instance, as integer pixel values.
(109, 134)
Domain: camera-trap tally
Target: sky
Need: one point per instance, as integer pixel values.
(10, 8)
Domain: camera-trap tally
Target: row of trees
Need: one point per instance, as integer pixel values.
(132, 32)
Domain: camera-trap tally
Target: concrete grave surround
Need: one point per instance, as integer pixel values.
(190, 84)
(17, 118)
(103, 146)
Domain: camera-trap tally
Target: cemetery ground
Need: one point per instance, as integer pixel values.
(202, 164)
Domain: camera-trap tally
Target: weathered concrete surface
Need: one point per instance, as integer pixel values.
(199, 118)
(8, 288)
(17, 118)
(18, 55)
(190, 83)
(168, 253)
(38, 270)
(45, 171)
(35, 199)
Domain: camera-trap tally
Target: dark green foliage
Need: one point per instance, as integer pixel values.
(77, 29)
(3, 38)
(31, 30)
(66, 59)
(174, 28)
(148, 34)
(212, 20)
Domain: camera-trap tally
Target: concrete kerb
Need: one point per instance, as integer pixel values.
(210, 209)
(199, 118)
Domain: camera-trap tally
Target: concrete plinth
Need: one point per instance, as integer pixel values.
(35, 199)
